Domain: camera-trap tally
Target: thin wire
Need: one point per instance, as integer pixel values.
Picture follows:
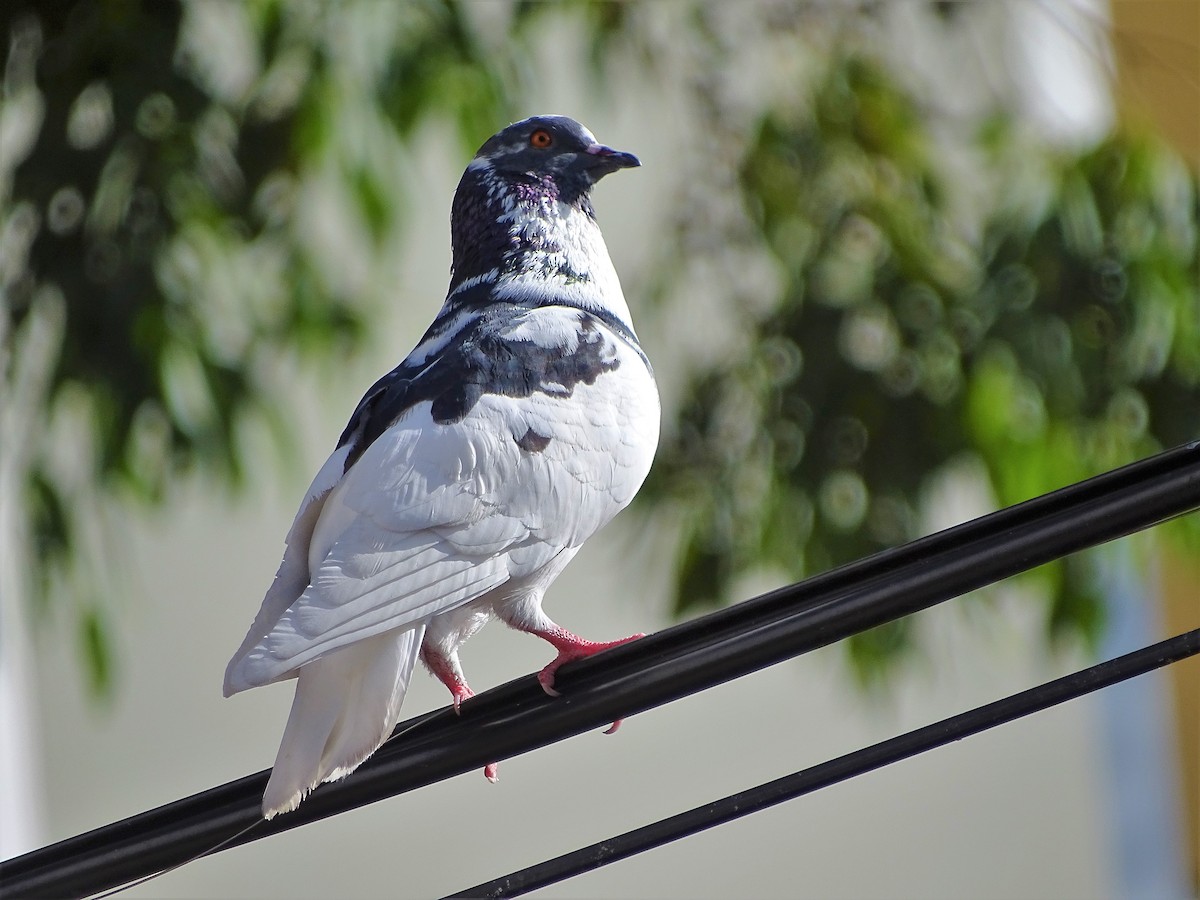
(153, 875)
(237, 836)
(677, 662)
(859, 762)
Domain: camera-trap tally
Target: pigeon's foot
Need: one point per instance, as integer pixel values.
(572, 646)
(448, 672)
(458, 693)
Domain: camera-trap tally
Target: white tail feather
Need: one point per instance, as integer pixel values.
(346, 705)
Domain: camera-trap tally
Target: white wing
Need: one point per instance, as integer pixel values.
(370, 559)
(292, 576)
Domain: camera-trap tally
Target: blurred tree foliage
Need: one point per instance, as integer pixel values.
(172, 180)
(189, 192)
(1062, 341)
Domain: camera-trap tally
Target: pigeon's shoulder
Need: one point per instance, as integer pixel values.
(504, 350)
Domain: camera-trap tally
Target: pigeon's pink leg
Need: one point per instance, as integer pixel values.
(572, 646)
(449, 673)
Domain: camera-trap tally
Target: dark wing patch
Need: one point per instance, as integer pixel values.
(382, 405)
(482, 359)
(532, 442)
(485, 359)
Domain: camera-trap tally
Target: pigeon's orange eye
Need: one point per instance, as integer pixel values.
(541, 139)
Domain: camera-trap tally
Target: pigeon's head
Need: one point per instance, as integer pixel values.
(551, 148)
(523, 206)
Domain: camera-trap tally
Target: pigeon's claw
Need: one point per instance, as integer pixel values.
(458, 696)
(459, 691)
(571, 647)
(447, 670)
(546, 677)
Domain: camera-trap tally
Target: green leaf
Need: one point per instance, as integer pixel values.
(96, 651)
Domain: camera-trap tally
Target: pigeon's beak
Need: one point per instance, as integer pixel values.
(609, 160)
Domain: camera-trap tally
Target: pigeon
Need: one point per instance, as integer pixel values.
(470, 475)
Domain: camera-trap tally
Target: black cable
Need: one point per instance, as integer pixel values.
(837, 770)
(518, 717)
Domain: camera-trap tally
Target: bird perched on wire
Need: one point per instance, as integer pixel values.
(471, 474)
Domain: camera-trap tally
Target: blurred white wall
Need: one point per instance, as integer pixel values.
(21, 811)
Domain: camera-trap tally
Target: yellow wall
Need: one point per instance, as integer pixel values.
(1157, 44)
(1182, 613)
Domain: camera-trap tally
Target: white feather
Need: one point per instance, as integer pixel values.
(293, 575)
(346, 705)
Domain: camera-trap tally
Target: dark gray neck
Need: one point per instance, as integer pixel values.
(528, 240)
(499, 224)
